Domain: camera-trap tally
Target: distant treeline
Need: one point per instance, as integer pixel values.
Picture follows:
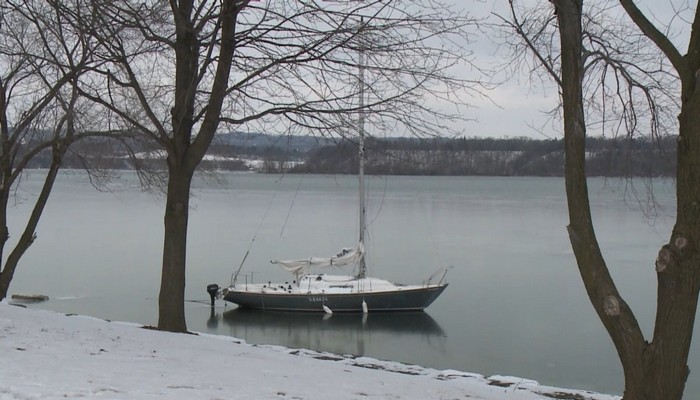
(395, 156)
(495, 157)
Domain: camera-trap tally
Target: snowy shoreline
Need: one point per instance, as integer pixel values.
(48, 355)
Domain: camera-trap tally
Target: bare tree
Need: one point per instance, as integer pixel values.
(41, 60)
(641, 92)
(181, 70)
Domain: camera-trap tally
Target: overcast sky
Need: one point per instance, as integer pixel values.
(514, 108)
(520, 110)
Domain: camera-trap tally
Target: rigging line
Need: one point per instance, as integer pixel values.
(255, 235)
(374, 218)
(436, 251)
(291, 205)
(381, 204)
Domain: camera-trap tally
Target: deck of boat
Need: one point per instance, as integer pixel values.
(335, 293)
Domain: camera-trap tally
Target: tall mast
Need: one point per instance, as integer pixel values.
(361, 145)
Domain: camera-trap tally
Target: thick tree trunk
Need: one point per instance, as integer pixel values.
(171, 311)
(185, 153)
(656, 370)
(678, 266)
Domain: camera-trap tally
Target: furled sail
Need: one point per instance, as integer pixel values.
(345, 257)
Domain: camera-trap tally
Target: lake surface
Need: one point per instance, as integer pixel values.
(515, 304)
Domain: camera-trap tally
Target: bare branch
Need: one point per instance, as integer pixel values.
(658, 37)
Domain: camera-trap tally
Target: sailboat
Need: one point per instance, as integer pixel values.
(319, 292)
(311, 291)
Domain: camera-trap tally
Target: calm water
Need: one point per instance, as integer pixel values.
(515, 304)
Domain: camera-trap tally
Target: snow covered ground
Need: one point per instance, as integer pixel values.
(47, 355)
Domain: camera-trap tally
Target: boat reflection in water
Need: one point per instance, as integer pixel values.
(413, 337)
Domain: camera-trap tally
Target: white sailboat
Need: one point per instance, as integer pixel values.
(319, 292)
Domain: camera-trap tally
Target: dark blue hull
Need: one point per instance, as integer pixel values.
(401, 300)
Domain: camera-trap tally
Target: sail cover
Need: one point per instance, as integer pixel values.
(345, 257)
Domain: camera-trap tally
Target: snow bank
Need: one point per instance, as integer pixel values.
(47, 355)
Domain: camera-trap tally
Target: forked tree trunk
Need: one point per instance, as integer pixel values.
(656, 370)
(185, 153)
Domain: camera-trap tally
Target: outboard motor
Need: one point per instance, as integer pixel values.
(213, 290)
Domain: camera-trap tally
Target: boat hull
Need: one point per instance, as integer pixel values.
(402, 300)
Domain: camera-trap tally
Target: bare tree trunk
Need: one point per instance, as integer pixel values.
(4, 237)
(678, 264)
(656, 370)
(28, 235)
(612, 310)
(34, 103)
(171, 312)
(185, 154)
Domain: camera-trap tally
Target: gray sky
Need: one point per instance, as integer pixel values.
(520, 106)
